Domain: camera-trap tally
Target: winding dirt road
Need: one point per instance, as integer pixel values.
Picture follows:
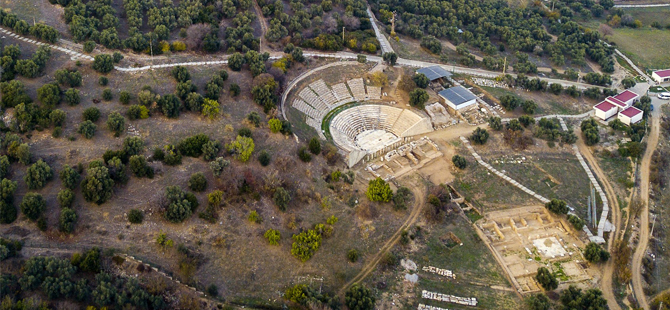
(372, 264)
(643, 194)
(608, 268)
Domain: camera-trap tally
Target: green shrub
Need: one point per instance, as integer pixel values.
(65, 198)
(304, 155)
(459, 161)
(33, 205)
(89, 46)
(315, 146)
(479, 136)
(281, 198)
(275, 125)
(359, 297)
(107, 94)
(197, 182)
(273, 236)
(557, 206)
(172, 156)
(594, 253)
(379, 190)
(72, 97)
(212, 290)
(87, 129)
(67, 220)
(193, 145)
(124, 97)
(69, 177)
(139, 167)
(254, 118)
(244, 132)
(91, 114)
(37, 175)
(546, 279)
(103, 81)
(254, 217)
(116, 123)
(98, 185)
(135, 216)
(264, 158)
(103, 63)
(179, 207)
(242, 148)
(305, 244)
(352, 255)
(576, 222)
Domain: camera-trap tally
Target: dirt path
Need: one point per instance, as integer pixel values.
(372, 264)
(264, 27)
(608, 268)
(643, 194)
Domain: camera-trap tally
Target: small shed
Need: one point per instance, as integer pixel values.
(458, 98)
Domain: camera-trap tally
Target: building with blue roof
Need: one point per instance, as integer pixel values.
(458, 98)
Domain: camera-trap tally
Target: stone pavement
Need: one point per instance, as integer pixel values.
(385, 44)
(74, 54)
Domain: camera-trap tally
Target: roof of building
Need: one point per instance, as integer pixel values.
(615, 101)
(626, 95)
(457, 95)
(631, 111)
(663, 73)
(604, 106)
(434, 72)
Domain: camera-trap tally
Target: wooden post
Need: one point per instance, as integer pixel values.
(393, 24)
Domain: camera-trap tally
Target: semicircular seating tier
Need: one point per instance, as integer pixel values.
(366, 129)
(317, 99)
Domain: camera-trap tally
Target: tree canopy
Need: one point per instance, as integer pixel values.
(379, 190)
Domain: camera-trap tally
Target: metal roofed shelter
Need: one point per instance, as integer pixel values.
(458, 97)
(434, 72)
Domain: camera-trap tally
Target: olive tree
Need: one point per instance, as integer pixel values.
(69, 177)
(98, 185)
(116, 123)
(103, 63)
(33, 205)
(37, 175)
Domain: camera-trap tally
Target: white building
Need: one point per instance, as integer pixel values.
(613, 105)
(661, 76)
(630, 115)
(458, 98)
(605, 110)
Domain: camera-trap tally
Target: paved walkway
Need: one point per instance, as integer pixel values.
(594, 181)
(603, 216)
(640, 72)
(277, 55)
(559, 116)
(500, 174)
(70, 52)
(641, 5)
(383, 41)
